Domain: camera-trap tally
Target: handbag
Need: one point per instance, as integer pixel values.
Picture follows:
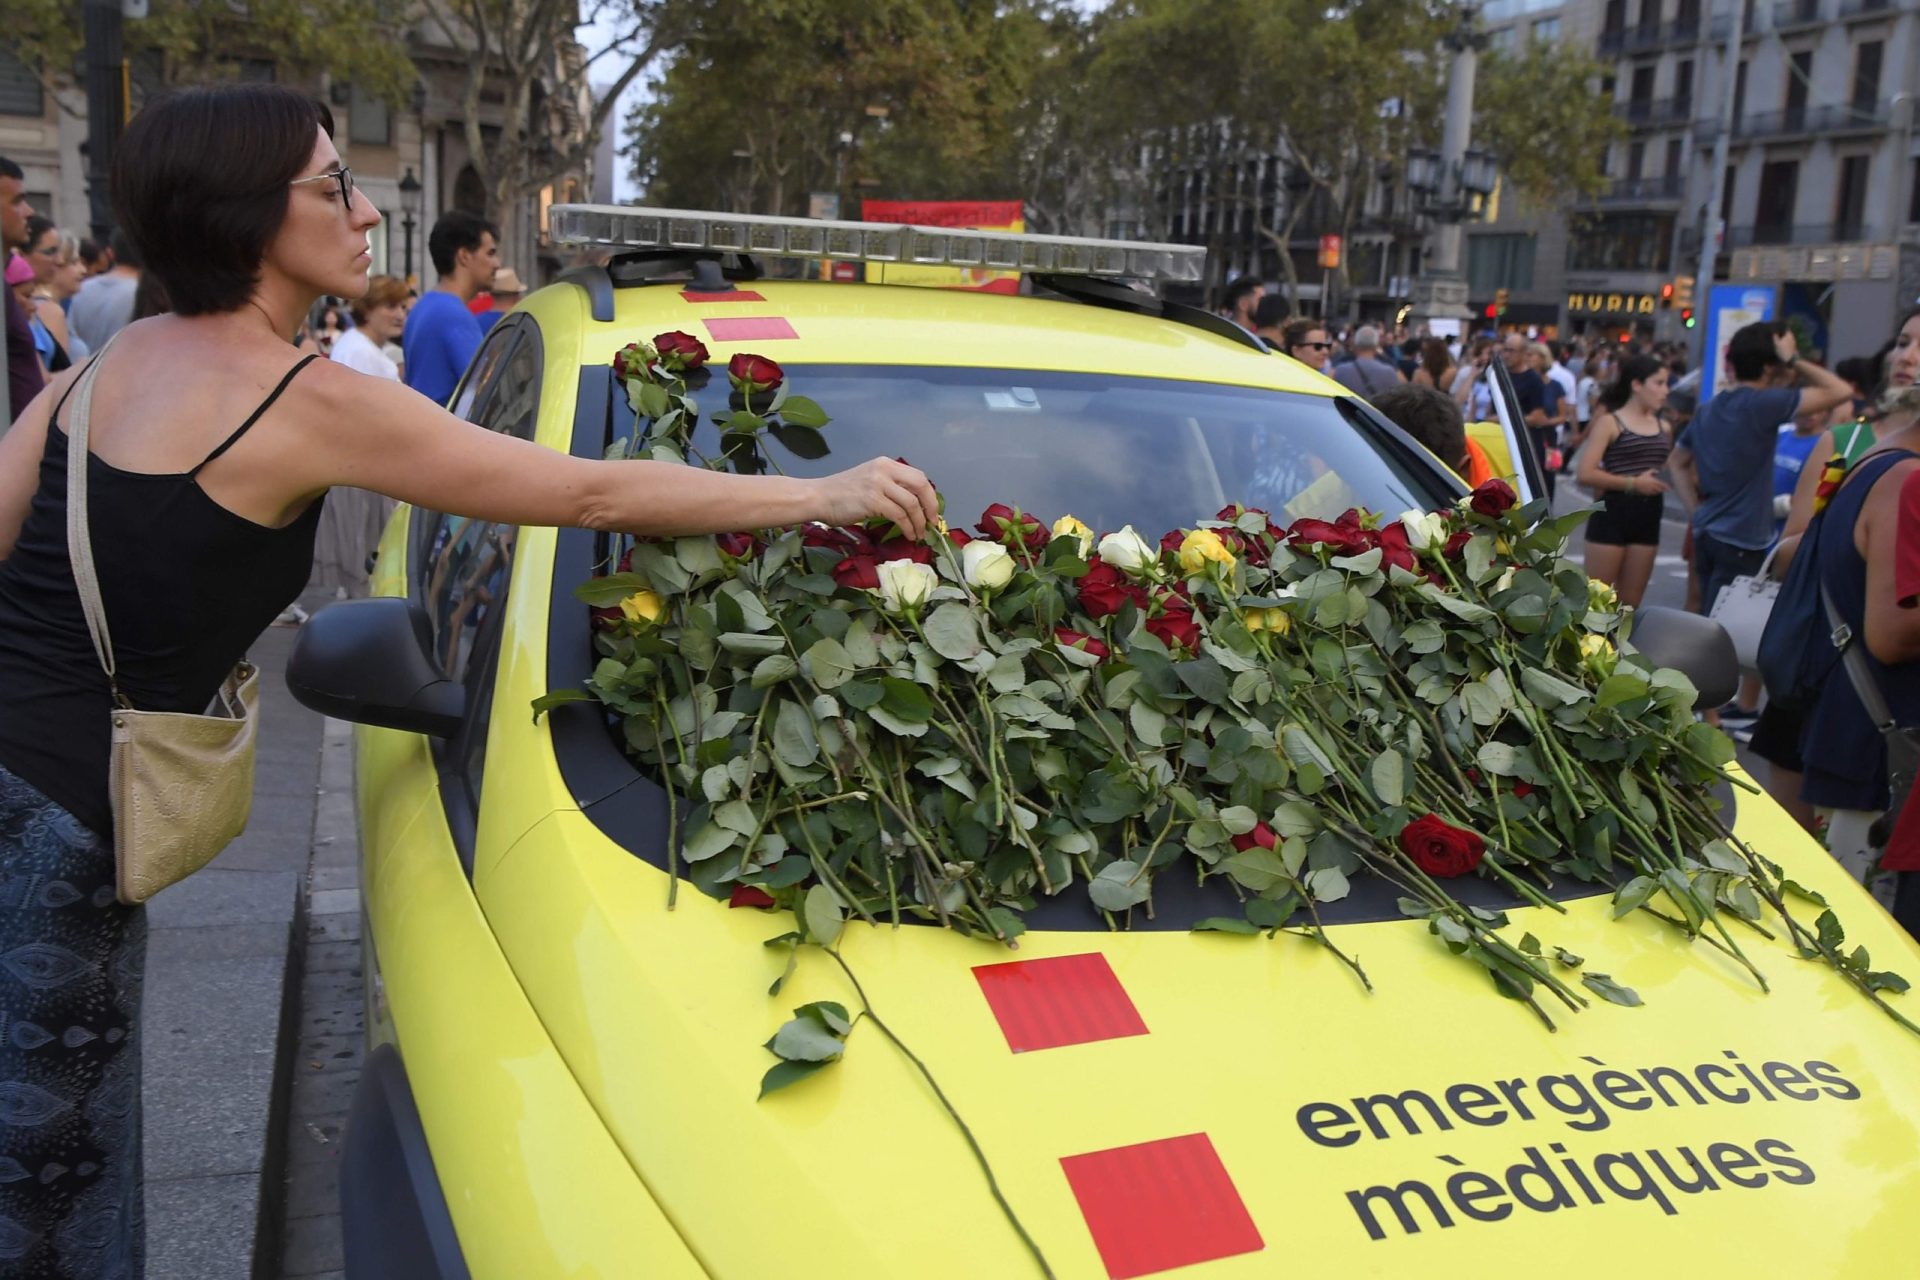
(1743, 607)
(180, 785)
(1903, 745)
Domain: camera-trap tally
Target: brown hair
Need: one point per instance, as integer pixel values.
(382, 291)
(1437, 359)
(200, 185)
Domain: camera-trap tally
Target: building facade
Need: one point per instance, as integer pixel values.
(44, 130)
(1817, 196)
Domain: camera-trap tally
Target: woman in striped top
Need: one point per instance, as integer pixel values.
(1627, 446)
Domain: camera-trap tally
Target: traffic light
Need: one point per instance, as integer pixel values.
(1666, 295)
(1686, 317)
(1499, 302)
(1683, 292)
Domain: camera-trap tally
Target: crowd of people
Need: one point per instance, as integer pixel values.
(1780, 440)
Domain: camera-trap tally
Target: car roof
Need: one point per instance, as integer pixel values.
(818, 322)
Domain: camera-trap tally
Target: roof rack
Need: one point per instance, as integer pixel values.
(1105, 293)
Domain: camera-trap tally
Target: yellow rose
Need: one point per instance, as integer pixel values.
(1068, 527)
(1601, 597)
(1599, 654)
(1502, 546)
(1278, 621)
(1200, 546)
(643, 607)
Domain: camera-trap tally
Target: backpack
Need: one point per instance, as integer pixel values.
(1798, 650)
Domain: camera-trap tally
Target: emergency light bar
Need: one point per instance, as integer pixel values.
(626, 227)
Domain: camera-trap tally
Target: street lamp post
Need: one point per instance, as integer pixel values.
(106, 108)
(409, 213)
(1456, 181)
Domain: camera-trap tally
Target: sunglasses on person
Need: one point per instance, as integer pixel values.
(342, 177)
(1314, 346)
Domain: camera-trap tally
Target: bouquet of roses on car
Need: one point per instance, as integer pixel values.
(851, 724)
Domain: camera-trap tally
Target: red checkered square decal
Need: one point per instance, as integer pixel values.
(1043, 1004)
(1159, 1205)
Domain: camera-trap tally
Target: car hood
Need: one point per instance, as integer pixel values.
(1153, 1100)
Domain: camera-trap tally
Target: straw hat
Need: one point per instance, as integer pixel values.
(505, 281)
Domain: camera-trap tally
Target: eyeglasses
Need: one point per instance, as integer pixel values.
(343, 177)
(1314, 346)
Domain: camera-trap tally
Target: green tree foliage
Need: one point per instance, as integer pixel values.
(196, 41)
(1536, 110)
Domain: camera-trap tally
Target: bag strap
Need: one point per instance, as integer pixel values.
(1858, 672)
(79, 540)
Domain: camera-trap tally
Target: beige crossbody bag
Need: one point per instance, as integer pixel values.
(180, 784)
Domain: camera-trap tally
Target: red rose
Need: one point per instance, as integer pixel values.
(630, 361)
(1170, 542)
(1343, 540)
(737, 546)
(1457, 544)
(1176, 628)
(1441, 849)
(1261, 836)
(1012, 528)
(1473, 775)
(858, 571)
(680, 352)
(1350, 519)
(1521, 790)
(750, 373)
(959, 538)
(1103, 590)
(1068, 638)
(750, 895)
(905, 549)
(1493, 498)
(845, 541)
(1394, 548)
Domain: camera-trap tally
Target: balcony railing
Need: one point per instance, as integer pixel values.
(1648, 113)
(1666, 35)
(1789, 15)
(1666, 187)
(1773, 233)
(1864, 8)
(1863, 117)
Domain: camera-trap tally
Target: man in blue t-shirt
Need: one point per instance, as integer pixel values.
(442, 334)
(1731, 441)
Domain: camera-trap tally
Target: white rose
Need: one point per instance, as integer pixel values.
(1425, 530)
(905, 585)
(1506, 580)
(986, 565)
(1127, 551)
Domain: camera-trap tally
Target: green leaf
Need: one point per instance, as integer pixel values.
(793, 736)
(1257, 868)
(782, 1074)
(1111, 890)
(736, 816)
(749, 643)
(1720, 854)
(824, 918)
(1238, 819)
(806, 1039)
(1805, 894)
(1568, 958)
(1148, 724)
(1296, 819)
(1620, 687)
(604, 592)
(1832, 936)
(1302, 749)
(1389, 777)
(1225, 924)
(828, 663)
(653, 398)
(1530, 944)
(1424, 636)
(905, 701)
(1328, 884)
(558, 698)
(774, 668)
(709, 841)
(1548, 690)
(1607, 989)
(1633, 895)
(952, 632)
(1204, 676)
(800, 411)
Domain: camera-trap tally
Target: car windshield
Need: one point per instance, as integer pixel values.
(1150, 452)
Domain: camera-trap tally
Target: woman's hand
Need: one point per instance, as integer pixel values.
(884, 487)
(1646, 484)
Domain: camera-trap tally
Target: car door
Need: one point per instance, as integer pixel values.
(1529, 480)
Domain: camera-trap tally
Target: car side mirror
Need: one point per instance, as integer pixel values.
(1699, 648)
(366, 661)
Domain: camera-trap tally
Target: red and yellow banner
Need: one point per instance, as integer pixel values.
(977, 215)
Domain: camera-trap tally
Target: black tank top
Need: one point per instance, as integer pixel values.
(187, 586)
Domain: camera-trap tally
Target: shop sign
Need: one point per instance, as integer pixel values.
(1611, 304)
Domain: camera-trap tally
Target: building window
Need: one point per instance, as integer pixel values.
(1499, 262)
(1673, 169)
(1740, 93)
(1683, 86)
(1501, 39)
(1866, 74)
(1616, 19)
(1913, 200)
(20, 92)
(1547, 28)
(1623, 242)
(1773, 213)
(1850, 201)
(370, 120)
(1636, 160)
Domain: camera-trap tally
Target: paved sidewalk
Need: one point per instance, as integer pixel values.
(218, 1021)
(328, 1050)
